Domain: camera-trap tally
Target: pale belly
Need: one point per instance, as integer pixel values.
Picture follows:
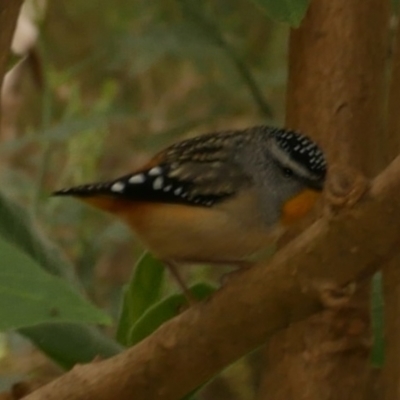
(224, 233)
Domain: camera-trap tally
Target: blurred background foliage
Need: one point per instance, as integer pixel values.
(112, 83)
(94, 89)
(97, 88)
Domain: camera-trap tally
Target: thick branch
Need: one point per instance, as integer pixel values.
(194, 346)
(391, 271)
(336, 79)
(336, 84)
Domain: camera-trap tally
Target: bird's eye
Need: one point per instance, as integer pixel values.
(287, 172)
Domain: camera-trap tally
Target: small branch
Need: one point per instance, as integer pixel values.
(212, 31)
(196, 345)
(248, 79)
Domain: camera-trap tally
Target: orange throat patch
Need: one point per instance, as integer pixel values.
(298, 206)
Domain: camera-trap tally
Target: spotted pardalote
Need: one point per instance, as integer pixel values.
(215, 198)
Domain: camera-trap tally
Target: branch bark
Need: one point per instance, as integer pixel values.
(194, 346)
(337, 80)
(391, 271)
(336, 91)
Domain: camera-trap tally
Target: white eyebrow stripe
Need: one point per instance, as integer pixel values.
(284, 159)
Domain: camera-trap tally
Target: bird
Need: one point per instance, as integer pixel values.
(217, 198)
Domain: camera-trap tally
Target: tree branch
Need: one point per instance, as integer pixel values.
(255, 303)
(336, 93)
(391, 271)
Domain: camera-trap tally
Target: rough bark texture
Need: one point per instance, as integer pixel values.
(336, 79)
(194, 346)
(391, 271)
(335, 94)
(9, 10)
(391, 370)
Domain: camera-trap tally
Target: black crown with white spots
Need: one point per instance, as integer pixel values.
(302, 150)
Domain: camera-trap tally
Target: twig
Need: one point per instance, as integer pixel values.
(211, 30)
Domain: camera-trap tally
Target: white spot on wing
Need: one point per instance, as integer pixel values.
(158, 183)
(117, 187)
(155, 171)
(178, 191)
(139, 178)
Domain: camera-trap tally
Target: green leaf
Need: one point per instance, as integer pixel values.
(143, 290)
(166, 309)
(30, 296)
(377, 318)
(69, 344)
(289, 11)
(17, 227)
(59, 341)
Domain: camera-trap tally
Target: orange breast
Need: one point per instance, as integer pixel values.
(298, 206)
